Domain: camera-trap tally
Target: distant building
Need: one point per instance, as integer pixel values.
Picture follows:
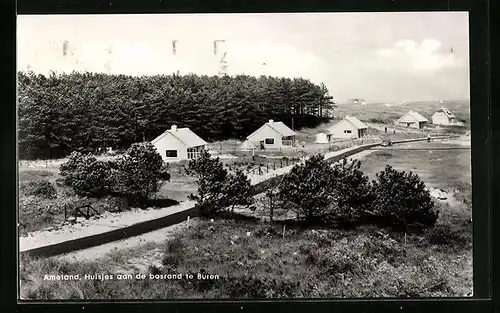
(445, 117)
(272, 135)
(357, 101)
(349, 127)
(321, 138)
(413, 120)
(176, 144)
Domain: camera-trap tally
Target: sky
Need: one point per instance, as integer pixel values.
(381, 57)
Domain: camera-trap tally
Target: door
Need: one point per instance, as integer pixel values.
(262, 147)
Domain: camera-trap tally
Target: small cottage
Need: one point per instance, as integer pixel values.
(413, 120)
(321, 138)
(349, 127)
(176, 144)
(444, 117)
(271, 136)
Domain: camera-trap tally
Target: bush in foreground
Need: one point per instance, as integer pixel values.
(402, 199)
(308, 190)
(353, 190)
(136, 175)
(86, 175)
(139, 172)
(41, 188)
(217, 189)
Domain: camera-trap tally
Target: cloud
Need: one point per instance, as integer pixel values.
(427, 55)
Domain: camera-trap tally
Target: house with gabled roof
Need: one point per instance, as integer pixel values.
(271, 136)
(412, 119)
(349, 127)
(176, 144)
(444, 117)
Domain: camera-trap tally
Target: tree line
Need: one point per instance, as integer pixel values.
(60, 113)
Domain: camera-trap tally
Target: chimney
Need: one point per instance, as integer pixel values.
(271, 121)
(173, 128)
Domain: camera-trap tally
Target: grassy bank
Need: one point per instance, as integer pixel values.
(257, 261)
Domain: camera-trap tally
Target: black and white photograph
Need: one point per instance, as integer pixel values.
(244, 156)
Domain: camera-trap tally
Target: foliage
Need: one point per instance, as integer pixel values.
(210, 178)
(308, 190)
(136, 174)
(238, 189)
(86, 175)
(447, 236)
(402, 199)
(59, 112)
(353, 190)
(41, 188)
(217, 189)
(139, 172)
(271, 201)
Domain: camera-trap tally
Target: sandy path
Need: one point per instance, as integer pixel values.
(158, 236)
(107, 221)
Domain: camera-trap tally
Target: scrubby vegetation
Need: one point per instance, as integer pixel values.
(320, 193)
(135, 175)
(218, 190)
(365, 262)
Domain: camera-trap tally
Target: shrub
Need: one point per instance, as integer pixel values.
(86, 175)
(402, 199)
(270, 201)
(138, 173)
(447, 236)
(217, 190)
(307, 189)
(237, 190)
(210, 178)
(135, 176)
(174, 253)
(353, 190)
(41, 188)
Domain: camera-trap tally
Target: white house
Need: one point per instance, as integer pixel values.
(445, 117)
(412, 119)
(321, 138)
(176, 144)
(349, 127)
(272, 135)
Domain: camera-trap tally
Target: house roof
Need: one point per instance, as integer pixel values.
(447, 112)
(279, 127)
(412, 117)
(185, 136)
(352, 120)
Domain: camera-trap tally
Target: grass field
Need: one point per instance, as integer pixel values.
(259, 260)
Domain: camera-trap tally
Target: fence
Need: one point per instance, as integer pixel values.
(86, 211)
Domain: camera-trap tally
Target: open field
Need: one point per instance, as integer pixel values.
(261, 260)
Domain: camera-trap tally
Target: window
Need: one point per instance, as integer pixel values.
(347, 131)
(269, 141)
(171, 153)
(193, 153)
